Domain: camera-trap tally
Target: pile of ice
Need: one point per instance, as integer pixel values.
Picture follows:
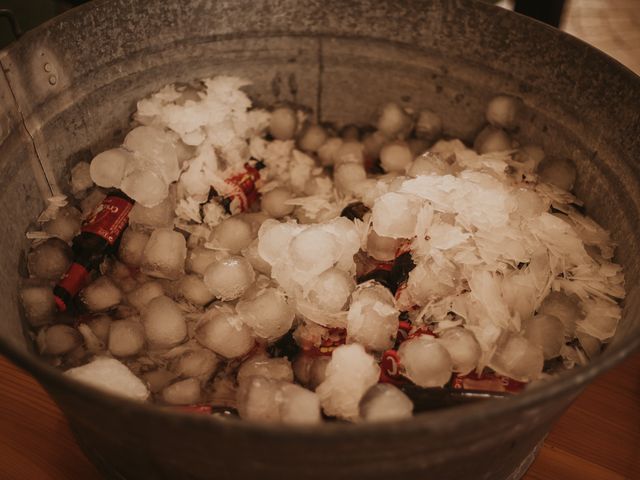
(451, 260)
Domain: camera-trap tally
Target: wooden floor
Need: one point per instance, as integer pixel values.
(613, 26)
(597, 439)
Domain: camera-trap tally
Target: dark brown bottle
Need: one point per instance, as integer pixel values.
(98, 237)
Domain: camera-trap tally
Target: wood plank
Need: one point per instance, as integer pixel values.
(554, 464)
(597, 439)
(35, 440)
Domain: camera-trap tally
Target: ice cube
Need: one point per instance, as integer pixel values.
(80, 179)
(49, 260)
(267, 313)
(350, 373)
(349, 177)
(546, 332)
(199, 258)
(257, 262)
(394, 121)
(327, 151)
(274, 202)
(164, 323)
(429, 125)
(158, 379)
(111, 376)
(492, 139)
(528, 157)
(591, 345)
(263, 366)
(59, 339)
(183, 392)
(100, 295)
(310, 370)
(232, 235)
(372, 320)
(396, 156)
(530, 204)
(255, 221)
(116, 270)
(312, 138)
(91, 341)
(517, 358)
(141, 296)
(161, 215)
(350, 151)
(65, 225)
(350, 132)
(258, 399)
(462, 347)
(502, 111)
(299, 406)
(145, 187)
(418, 146)
(429, 163)
(314, 250)
(385, 218)
(330, 291)
(283, 123)
(425, 362)
(157, 149)
(89, 203)
(301, 366)
(132, 246)
(382, 248)
(164, 254)
(100, 326)
(229, 278)
(193, 289)
(126, 337)
(213, 213)
(274, 239)
(385, 402)
(223, 391)
(225, 334)
(559, 172)
(107, 168)
(197, 363)
(38, 303)
(372, 144)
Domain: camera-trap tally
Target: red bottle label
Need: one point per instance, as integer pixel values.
(201, 409)
(72, 281)
(390, 369)
(488, 382)
(245, 189)
(109, 219)
(336, 338)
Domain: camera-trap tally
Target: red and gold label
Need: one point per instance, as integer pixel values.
(199, 409)
(488, 382)
(336, 338)
(245, 189)
(109, 219)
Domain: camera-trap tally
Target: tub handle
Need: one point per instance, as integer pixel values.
(13, 22)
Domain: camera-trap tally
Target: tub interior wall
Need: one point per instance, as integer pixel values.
(76, 94)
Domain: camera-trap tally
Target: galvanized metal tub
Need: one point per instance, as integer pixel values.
(67, 91)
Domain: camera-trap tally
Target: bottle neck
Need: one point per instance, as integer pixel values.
(70, 284)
